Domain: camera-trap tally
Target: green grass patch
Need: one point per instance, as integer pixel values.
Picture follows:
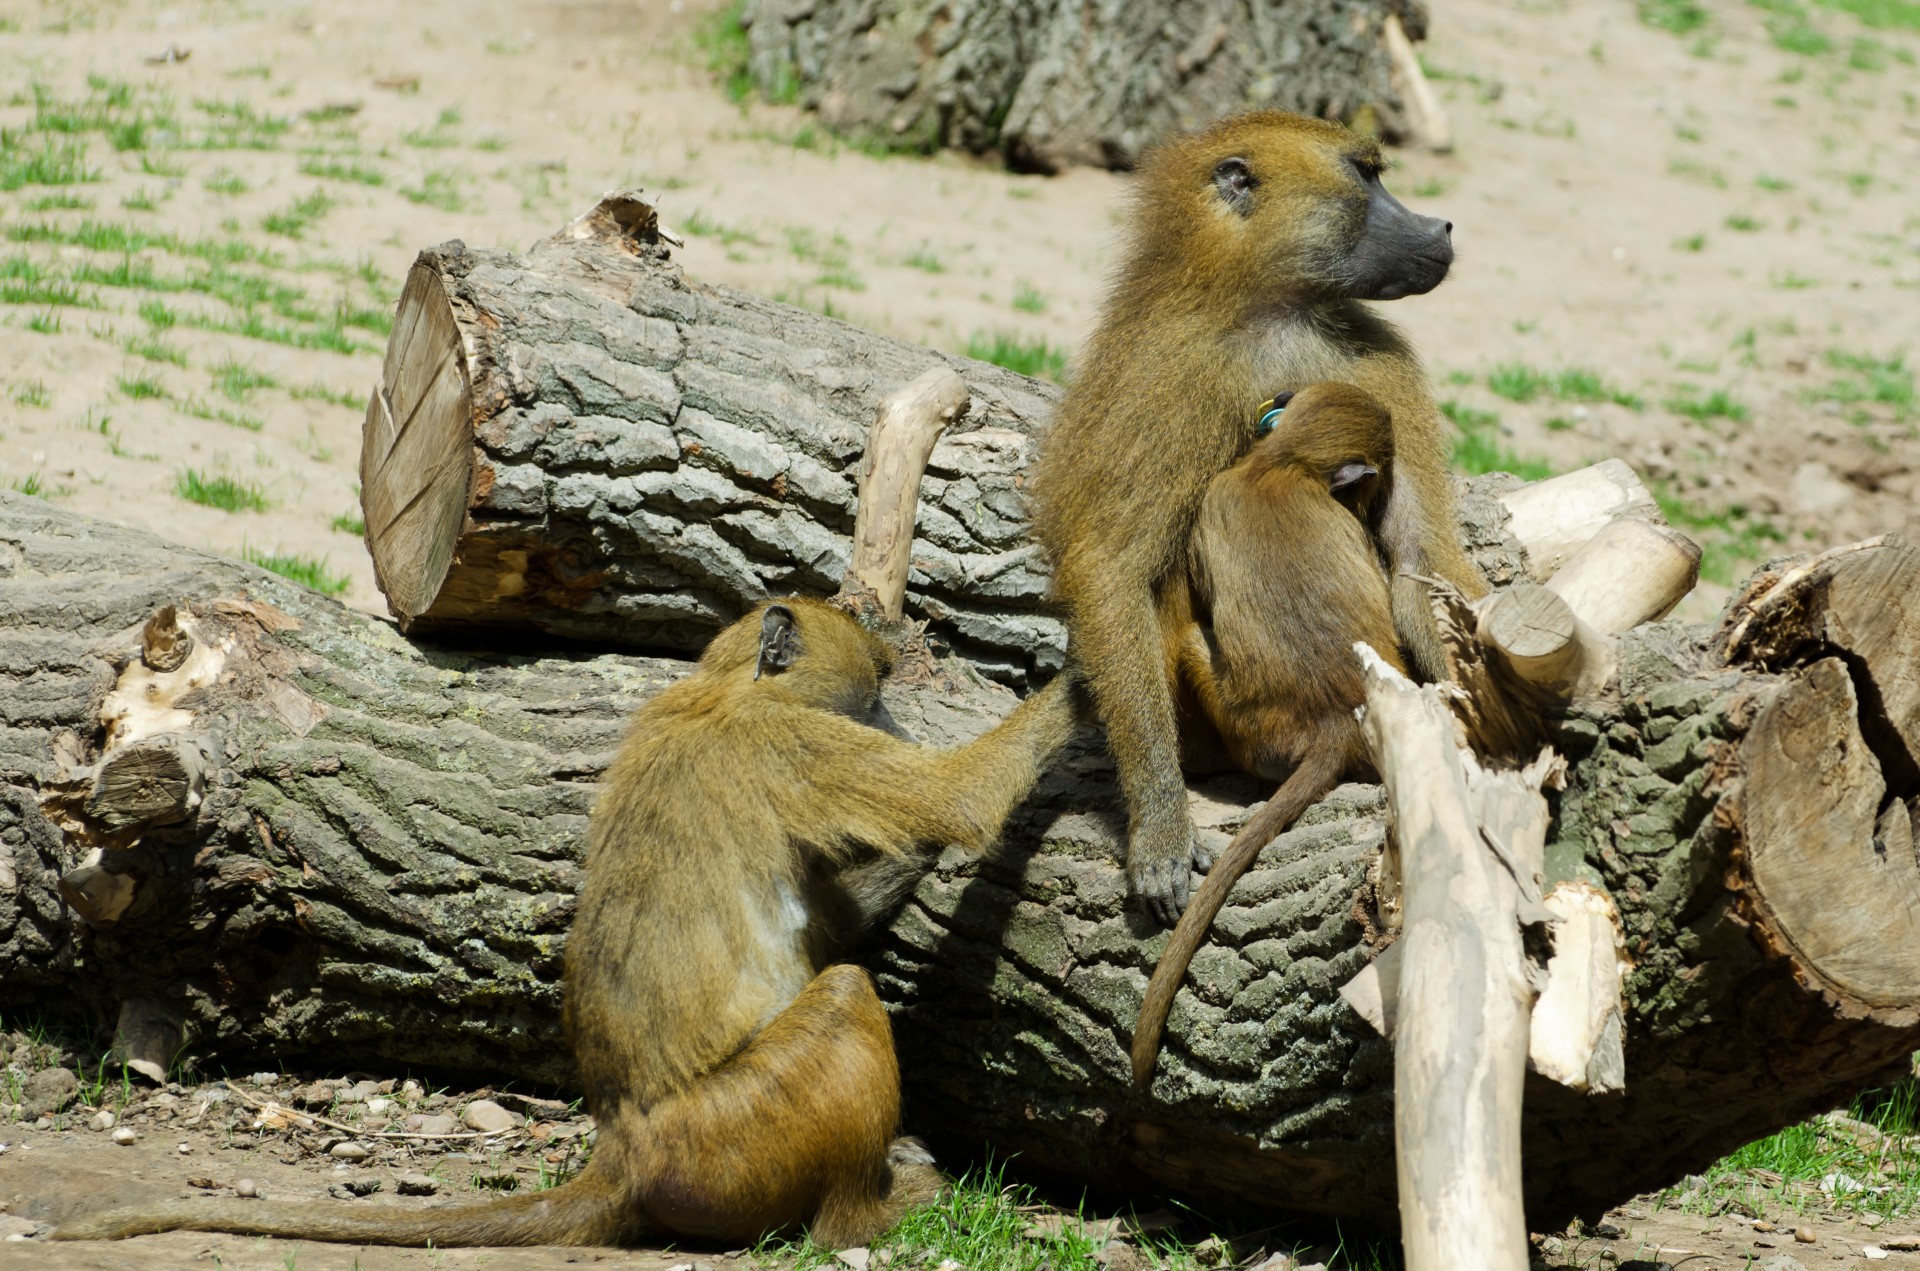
(158, 315)
(1864, 379)
(140, 387)
(34, 393)
(238, 382)
(34, 484)
(1028, 300)
(154, 349)
(1477, 446)
(1691, 243)
(1020, 355)
(59, 201)
(1776, 184)
(141, 200)
(1743, 223)
(1518, 382)
(332, 396)
(46, 322)
(333, 168)
(440, 136)
(222, 181)
(202, 410)
(438, 188)
(1688, 400)
(700, 225)
(293, 220)
(55, 161)
(219, 491)
(349, 523)
(721, 39)
(1901, 15)
(1694, 170)
(926, 260)
(304, 570)
(236, 125)
(1682, 17)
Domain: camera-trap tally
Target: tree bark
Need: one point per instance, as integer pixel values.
(1050, 84)
(583, 443)
(380, 862)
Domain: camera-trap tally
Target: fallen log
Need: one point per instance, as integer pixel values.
(378, 858)
(582, 442)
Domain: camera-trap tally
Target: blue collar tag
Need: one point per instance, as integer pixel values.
(1269, 418)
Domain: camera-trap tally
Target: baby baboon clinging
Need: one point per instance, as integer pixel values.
(1285, 576)
(1252, 245)
(742, 1080)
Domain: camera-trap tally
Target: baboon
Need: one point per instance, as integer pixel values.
(1252, 245)
(1285, 575)
(743, 1080)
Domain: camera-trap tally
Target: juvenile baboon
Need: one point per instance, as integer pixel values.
(1251, 246)
(1285, 575)
(743, 1081)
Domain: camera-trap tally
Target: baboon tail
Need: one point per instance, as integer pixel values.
(1305, 786)
(587, 1210)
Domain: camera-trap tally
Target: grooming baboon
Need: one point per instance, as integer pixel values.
(743, 1081)
(1252, 245)
(1285, 576)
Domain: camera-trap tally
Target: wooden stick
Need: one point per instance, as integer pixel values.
(1424, 111)
(1545, 646)
(1460, 1050)
(1554, 518)
(1579, 1023)
(906, 425)
(1629, 573)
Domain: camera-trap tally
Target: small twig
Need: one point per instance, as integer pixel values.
(269, 1105)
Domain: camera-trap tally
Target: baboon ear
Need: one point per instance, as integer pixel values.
(1348, 475)
(779, 641)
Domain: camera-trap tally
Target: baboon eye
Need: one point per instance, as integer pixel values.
(1235, 182)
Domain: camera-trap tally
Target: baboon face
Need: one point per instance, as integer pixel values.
(1292, 209)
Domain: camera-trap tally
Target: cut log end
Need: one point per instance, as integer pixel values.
(416, 459)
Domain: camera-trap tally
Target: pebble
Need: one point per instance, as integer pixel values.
(1763, 1225)
(246, 1188)
(857, 1259)
(264, 1078)
(416, 1184)
(1804, 1235)
(102, 1120)
(125, 1137)
(432, 1124)
(379, 1107)
(487, 1116)
(15, 1228)
(349, 1152)
(1781, 1262)
(411, 1089)
(1872, 1253)
(186, 1149)
(44, 1123)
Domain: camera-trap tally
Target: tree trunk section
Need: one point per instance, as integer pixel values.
(1049, 83)
(581, 442)
(381, 861)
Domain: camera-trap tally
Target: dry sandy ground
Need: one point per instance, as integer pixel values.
(199, 1142)
(1682, 215)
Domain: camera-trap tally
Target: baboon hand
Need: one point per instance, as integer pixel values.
(1160, 869)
